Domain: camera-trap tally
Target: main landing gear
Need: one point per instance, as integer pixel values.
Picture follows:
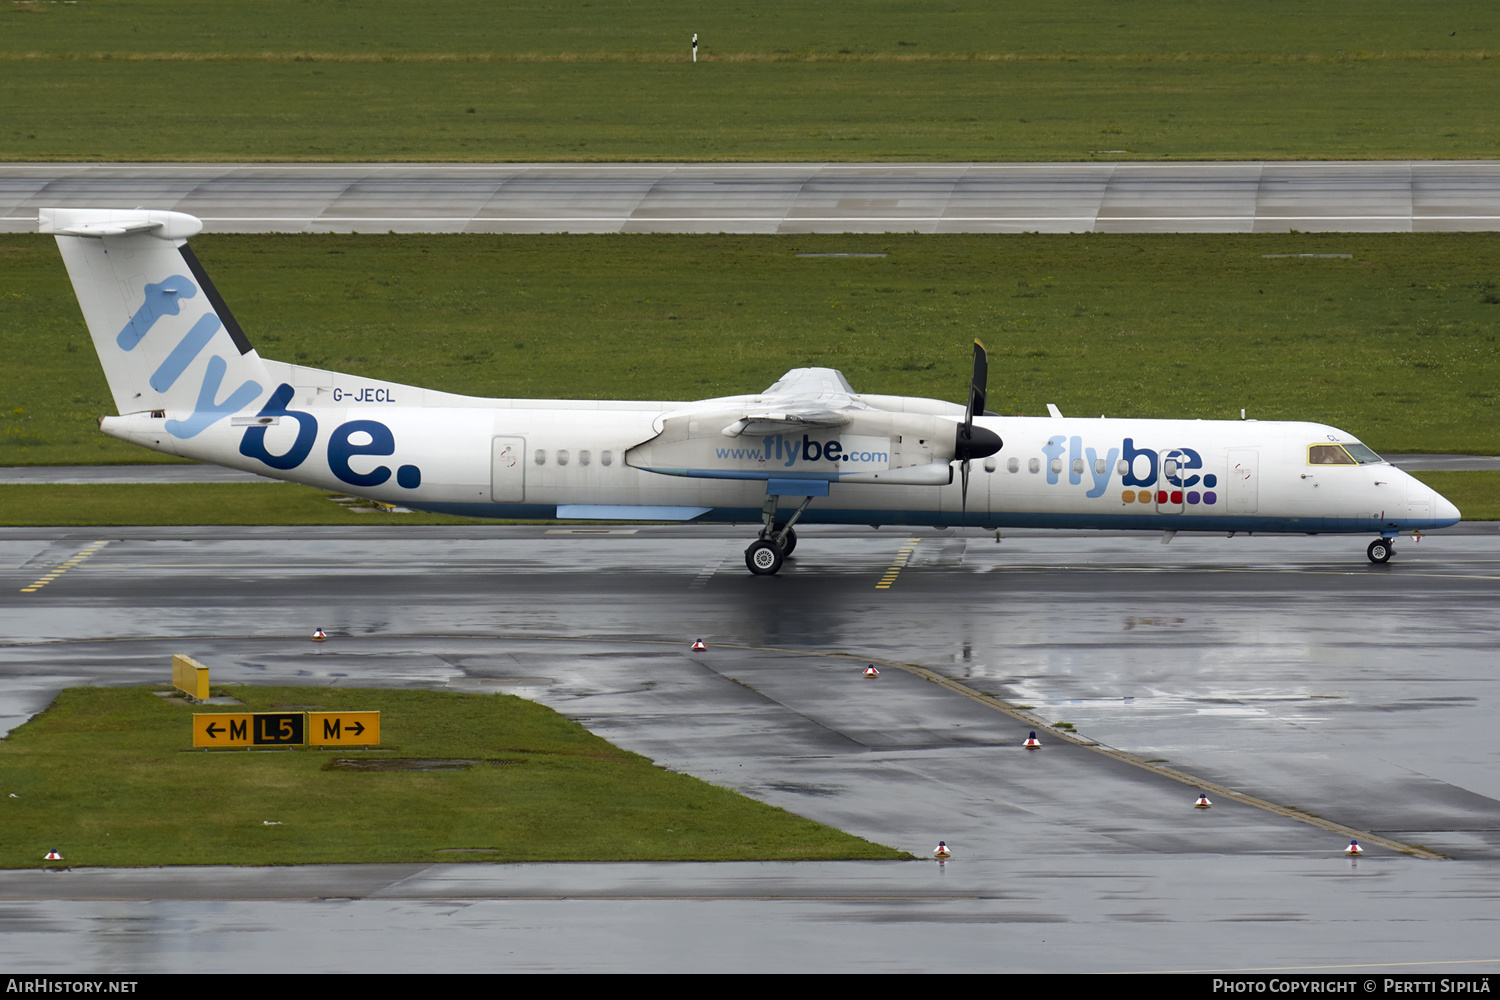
(777, 539)
(1381, 550)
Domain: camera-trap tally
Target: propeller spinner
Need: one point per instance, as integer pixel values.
(975, 442)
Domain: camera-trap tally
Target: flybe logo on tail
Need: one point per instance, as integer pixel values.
(164, 298)
(349, 441)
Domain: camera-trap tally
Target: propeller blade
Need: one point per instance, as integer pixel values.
(976, 442)
(977, 384)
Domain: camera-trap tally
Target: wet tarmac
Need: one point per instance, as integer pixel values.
(1286, 669)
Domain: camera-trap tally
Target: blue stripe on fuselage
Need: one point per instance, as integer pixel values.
(1008, 519)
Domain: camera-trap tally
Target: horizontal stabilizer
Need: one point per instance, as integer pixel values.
(101, 222)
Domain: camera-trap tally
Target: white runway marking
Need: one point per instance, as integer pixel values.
(706, 573)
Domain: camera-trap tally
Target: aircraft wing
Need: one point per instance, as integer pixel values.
(812, 383)
(802, 398)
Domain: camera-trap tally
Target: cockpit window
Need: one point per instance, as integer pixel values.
(1328, 454)
(1362, 454)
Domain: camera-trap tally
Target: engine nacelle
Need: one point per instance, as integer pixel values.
(858, 446)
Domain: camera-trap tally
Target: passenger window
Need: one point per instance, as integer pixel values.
(562, 456)
(1034, 465)
(1014, 465)
(583, 457)
(606, 458)
(540, 458)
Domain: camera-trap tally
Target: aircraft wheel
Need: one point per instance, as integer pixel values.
(791, 539)
(763, 558)
(1380, 551)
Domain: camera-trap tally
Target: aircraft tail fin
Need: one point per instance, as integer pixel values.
(166, 340)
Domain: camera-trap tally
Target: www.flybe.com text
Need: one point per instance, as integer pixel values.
(788, 452)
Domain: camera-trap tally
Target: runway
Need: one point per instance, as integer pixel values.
(1228, 197)
(1284, 668)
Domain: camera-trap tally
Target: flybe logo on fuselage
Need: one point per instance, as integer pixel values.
(1176, 471)
(348, 440)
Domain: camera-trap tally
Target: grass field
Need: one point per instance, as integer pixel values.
(108, 777)
(1397, 343)
(741, 29)
(1476, 493)
(579, 80)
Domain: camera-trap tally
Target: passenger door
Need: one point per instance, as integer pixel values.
(1241, 485)
(507, 470)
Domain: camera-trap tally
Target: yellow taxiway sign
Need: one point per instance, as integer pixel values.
(343, 729)
(249, 729)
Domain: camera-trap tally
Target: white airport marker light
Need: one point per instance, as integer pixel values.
(941, 852)
(871, 672)
(53, 856)
(698, 646)
(1202, 802)
(1032, 742)
(1354, 850)
(319, 635)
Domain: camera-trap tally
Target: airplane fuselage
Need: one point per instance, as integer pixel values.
(516, 458)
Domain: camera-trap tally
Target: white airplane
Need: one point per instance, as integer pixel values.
(187, 382)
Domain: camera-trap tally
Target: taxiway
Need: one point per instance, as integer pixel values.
(1283, 668)
(1103, 197)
